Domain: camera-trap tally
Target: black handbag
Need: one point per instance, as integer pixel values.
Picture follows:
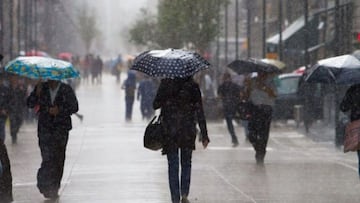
(153, 137)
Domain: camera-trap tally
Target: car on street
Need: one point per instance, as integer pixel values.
(287, 86)
(289, 98)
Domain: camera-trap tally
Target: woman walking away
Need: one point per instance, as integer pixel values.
(261, 92)
(181, 107)
(351, 102)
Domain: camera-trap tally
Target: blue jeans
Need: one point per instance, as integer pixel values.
(245, 124)
(129, 101)
(173, 170)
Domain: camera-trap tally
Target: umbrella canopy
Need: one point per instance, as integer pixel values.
(67, 56)
(343, 70)
(279, 64)
(37, 67)
(356, 53)
(251, 65)
(170, 63)
(300, 70)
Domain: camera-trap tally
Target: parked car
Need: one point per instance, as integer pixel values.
(287, 86)
(289, 95)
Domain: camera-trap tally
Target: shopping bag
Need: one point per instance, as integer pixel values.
(153, 136)
(352, 136)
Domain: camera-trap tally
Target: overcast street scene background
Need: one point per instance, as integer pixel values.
(106, 161)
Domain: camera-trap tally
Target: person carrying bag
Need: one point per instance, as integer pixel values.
(181, 109)
(154, 135)
(351, 102)
(261, 92)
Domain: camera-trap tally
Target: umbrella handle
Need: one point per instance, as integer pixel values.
(38, 87)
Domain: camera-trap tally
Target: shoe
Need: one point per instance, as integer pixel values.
(81, 117)
(235, 144)
(51, 195)
(184, 199)
(259, 158)
(260, 161)
(13, 140)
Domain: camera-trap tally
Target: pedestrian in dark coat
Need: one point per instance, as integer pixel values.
(229, 93)
(261, 92)
(129, 86)
(181, 108)
(5, 177)
(4, 106)
(351, 102)
(146, 94)
(16, 106)
(57, 102)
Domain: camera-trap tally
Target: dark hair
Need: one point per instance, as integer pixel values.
(226, 76)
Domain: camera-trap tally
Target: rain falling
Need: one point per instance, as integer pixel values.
(201, 101)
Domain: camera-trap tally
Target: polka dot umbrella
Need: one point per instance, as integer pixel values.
(169, 63)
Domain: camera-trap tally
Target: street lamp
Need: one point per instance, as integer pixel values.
(264, 28)
(280, 50)
(248, 5)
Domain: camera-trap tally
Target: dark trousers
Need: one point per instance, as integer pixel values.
(229, 123)
(173, 170)
(15, 124)
(129, 101)
(2, 128)
(52, 146)
(5, 178)
(259, 129)
(146, 109)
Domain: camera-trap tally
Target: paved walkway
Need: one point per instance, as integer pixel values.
(106, 163)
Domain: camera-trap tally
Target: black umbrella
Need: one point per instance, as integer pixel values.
(342, 70)
(170, 63)
(243, 66)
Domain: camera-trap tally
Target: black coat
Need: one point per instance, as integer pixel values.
(65, 100)
(351, 101)
(17, 100)
(6, 178)
(229, 92)
(181, 109)
(4, 100)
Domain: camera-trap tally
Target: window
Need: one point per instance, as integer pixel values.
(288, 85)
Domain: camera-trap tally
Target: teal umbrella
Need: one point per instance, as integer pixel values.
(37, 67)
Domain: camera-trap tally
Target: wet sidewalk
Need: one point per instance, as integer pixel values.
(106, 162)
